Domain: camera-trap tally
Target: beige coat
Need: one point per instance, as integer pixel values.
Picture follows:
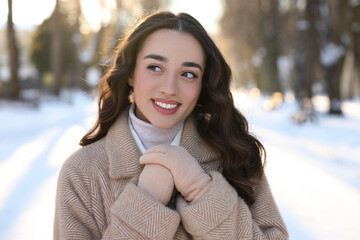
(98, 198)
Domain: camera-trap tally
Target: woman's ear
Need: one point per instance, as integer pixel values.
(131, 80)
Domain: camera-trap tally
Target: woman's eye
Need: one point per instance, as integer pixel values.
(154, 68)
(189, 75)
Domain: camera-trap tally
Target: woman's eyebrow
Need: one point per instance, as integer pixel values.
(192, 64)
(156, 57)
(164, 59)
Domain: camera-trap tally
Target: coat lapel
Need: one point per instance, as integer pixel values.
(122, 150)
(192, 142)
(195, 145)
(124, 154)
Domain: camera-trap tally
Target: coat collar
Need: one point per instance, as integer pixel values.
(124, 154)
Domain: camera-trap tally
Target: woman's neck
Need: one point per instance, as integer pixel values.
(149, 134)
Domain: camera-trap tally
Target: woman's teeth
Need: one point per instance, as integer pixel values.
(165, 105)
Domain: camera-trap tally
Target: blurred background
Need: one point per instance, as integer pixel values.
(296, 78)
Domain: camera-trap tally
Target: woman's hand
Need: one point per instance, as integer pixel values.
(189, 178)
(157, 181)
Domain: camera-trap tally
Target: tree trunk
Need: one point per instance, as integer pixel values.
(299, 59)
(14, 88)
(311, 46)
(79, 68)
(333, 74)
(56, 56)
(269, 76)
(334, 69)
(355, 28)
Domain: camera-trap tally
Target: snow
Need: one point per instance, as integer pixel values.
(313, 169)
(302, 25)
(258, 57)
(33, 144)
(331, 53)
(92, 76)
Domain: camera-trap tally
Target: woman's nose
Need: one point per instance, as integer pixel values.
(169, 85)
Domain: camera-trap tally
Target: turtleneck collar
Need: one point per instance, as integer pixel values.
(150, 135)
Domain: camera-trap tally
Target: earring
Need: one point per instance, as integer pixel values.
(132, 97)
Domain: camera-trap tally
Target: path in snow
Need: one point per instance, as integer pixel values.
(311, 198)
(33, 145)
(36, 220)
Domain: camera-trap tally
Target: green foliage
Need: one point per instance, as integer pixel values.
(40, 47)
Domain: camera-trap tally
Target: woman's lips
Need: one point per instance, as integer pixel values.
(165, 106)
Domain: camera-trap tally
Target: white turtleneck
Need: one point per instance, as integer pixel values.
(146, 135)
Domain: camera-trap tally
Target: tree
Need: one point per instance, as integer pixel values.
(333, 48)
(41, 48)
(13, 55)
(56, 51)
(316, 34)
(80, 65)
(253, 29)
(333, 52)
(307, 49)
(270, 29)
(239, 25)
(355, 33)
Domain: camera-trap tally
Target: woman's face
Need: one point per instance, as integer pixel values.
(167, 77)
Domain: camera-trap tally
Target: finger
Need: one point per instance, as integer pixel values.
(157, 170)
(149, 151)
(154, 158)
(151, 158)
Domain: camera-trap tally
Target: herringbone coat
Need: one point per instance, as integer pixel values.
(98, 198)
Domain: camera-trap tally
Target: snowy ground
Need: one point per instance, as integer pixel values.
(313, 169)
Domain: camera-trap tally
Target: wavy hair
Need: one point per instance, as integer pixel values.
(220, 124)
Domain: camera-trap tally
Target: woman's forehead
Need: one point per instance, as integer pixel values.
(172, 44)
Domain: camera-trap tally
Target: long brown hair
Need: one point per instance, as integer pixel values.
(220, 124)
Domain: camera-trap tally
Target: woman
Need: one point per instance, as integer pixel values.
(169, 157)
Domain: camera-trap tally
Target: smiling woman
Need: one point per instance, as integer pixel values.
(170, 156)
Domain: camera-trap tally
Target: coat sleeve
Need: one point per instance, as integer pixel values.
(79, 212)
(221, 214)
